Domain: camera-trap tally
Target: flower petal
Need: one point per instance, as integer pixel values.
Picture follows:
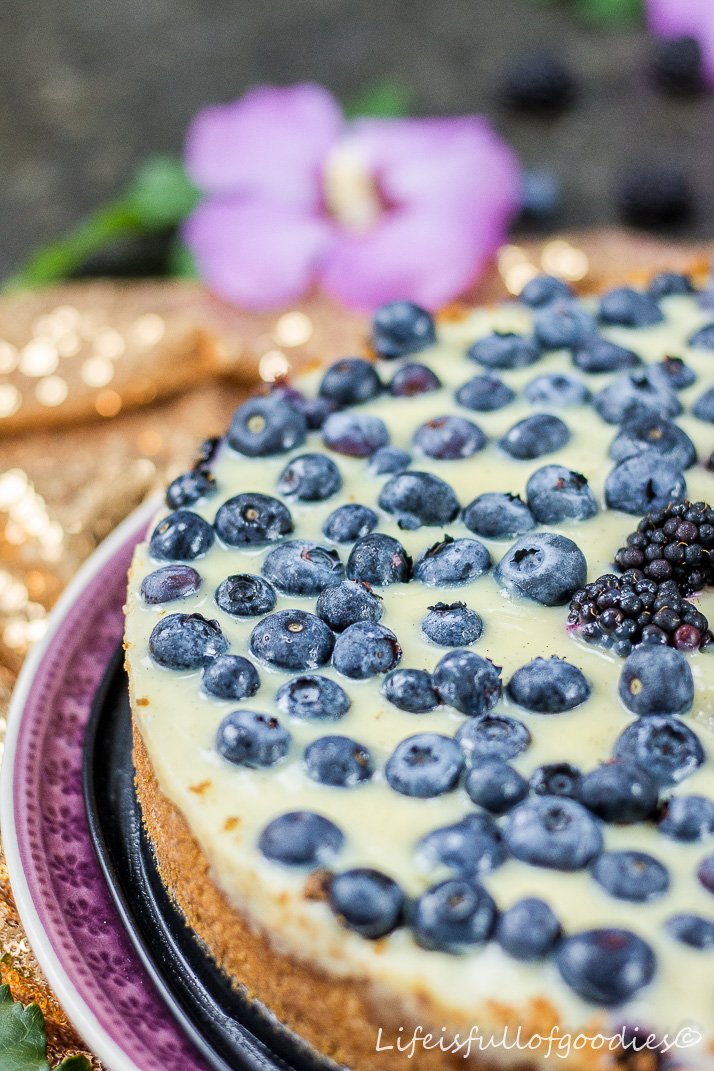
(692, 18)
(453, 187)
(421, 255)
(260, 254)
(271, 142)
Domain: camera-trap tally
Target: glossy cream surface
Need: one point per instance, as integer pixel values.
(227, 807)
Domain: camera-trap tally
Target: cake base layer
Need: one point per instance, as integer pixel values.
(344, 1019)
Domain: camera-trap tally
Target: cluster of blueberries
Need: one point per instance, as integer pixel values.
(554, 819)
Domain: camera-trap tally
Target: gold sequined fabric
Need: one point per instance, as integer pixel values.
(105, 391)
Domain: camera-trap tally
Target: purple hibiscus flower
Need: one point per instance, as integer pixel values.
(369, 211)
(686, 18)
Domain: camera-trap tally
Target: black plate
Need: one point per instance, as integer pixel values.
(230, 1032)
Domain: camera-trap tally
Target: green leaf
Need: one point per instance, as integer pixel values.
(605, 11)
(389, 99)
(182, 263)
(161, 194)
(23, 1042)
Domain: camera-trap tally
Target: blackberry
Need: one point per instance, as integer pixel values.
(618, 612)
(654, 195)
(677, 65)
(538, 81)
(675, 543)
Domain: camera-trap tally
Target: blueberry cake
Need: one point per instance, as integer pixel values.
(423, 694)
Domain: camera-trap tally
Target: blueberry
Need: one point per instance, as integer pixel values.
(453, 916)
(672, 374)
(338, 761)
(548, 686)
(252, 520)
(626, 307)
(389, 460)
(668, 284)
(350, 382)
(534, 436)
(424, 765)
(417, 498)
(182, 536)
(496, 786)
(186, 641)
(688, 818)
(505, 350)
(315, 410)
(230, 677)
(365, 649)
(354, 434)
(484, 394)
(556, 494)
(470, 847)
(495, 515)
(620, 792)
(703, 408)
(545, 567)
(411, 689)
(264, 426)
(292, 639)
(540, 197)
(556, 779)
(529, 930)
(563, 324)
(313, 698)
(553, 832)
(606, 966)
(633, 876)
(691, 930)
(448, 438)
(644, 483)
(310, 478)
(379, 559)
(601, 355)
(244, 595)
(677, 67)
(492, 736)
(248, 738)
(350, 522)
(452, 625)
(366, 901)
(703, 338)
(452, 562)
(656, 680)
(349, 602)
(634, 395)
(705, 873)
(468, 682)
(301, 838)
(538, 81)
(542, 290)
(303, 568)
(400, 328)
(189, 488)
(663, 746)
(650, 432)
(557, 389)
(207, 454)
(412, 379)
(170, 582)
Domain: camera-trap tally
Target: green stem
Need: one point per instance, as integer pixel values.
(65, 256)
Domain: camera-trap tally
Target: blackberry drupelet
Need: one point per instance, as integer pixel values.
(618, 612)
(675, 543)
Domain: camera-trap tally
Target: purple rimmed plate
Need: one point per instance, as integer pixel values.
(63, 902)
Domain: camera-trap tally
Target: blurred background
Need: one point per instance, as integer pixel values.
(88, 90)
